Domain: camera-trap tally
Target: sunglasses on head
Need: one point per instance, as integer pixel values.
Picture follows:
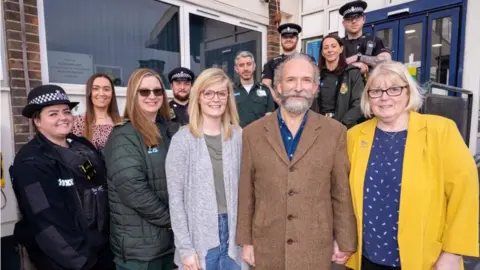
(147, 92)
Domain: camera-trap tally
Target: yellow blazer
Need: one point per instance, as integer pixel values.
(439, 195)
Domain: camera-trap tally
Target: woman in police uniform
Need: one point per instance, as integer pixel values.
(341, 85)
(59, 181)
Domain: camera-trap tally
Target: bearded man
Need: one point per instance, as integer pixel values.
(181, 80)
(295, 209)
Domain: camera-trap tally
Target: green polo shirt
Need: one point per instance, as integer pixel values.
(253, 105)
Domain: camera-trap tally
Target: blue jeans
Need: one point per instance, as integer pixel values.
(217, 258)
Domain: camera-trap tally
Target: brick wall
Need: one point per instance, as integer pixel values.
(273, 38)
(15, 65)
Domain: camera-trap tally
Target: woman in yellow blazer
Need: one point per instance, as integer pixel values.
(414, 182)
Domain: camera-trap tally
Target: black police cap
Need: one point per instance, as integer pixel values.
(290, 29)
(352, 8)
(181, 74)
(44, 96)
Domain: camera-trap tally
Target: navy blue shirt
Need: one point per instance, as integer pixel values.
(381, 199)
(289, 141)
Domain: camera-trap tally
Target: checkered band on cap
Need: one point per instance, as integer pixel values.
(181, 76)
(49, 97)
(353, 9)
(289, 30)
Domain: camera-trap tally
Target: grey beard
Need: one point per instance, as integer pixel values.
(297, 108)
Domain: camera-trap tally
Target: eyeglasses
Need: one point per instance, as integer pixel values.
(147, 92)
(391, 92)
(222, 95)
(353, 17)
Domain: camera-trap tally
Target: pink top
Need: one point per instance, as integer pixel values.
(100, 132)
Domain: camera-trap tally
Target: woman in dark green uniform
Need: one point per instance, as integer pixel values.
(341, 85)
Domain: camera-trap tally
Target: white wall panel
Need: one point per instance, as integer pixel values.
(334, 21)
(313, 24)
(333, 3)
(375, 4)
(311, 5)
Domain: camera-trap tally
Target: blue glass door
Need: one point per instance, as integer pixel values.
(411, 46)
(442, 47)
(388, 32)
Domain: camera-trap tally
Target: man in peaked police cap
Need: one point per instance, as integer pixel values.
(181, 80)
(363, 51)
(289, 39)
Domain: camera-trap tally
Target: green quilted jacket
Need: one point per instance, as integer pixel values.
(139, 215)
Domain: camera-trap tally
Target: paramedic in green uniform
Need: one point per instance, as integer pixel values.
(254, 100)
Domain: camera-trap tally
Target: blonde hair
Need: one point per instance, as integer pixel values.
(147, 129)
(206, 79)
(393, 72)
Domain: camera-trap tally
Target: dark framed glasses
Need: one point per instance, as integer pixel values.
(147, 92)
(391, 92)
(353, 17)
(208, 94)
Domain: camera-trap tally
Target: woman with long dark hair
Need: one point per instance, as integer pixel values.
(102, 111)
(341, 85)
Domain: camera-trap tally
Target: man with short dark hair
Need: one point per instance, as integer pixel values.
(288, 40)
(363, 51)
(181, 80)
(254, 100)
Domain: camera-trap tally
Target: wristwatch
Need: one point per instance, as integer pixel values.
(358, 57)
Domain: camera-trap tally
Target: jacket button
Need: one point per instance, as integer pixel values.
(292, 169)
(290, 217)
(291, 192)
(289, 241)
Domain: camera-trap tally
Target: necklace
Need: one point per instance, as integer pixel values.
(388, 134)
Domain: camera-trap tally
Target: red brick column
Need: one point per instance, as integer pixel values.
(15, 64)
(273, 37)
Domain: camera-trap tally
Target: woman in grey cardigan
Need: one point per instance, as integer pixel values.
(203, 168)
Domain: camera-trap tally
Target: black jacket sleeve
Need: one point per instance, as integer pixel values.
(356, 85)
(267, 71)
(46, 216)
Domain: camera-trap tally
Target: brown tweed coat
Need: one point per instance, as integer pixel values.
(292, 210)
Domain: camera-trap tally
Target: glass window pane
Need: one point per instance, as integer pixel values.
(215, 44)
(440, 60)
(386, 35)
(110, 36)
(413, 48)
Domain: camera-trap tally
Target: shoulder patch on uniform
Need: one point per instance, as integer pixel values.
(344, 88)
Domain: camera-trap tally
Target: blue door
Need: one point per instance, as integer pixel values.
(442, 41)
(388, 32)
(427, 44)
(411, 45)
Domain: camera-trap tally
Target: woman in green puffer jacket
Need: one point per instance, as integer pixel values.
(141, 235)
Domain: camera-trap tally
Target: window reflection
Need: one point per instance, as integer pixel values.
(413, 49)
(215, 44)
(111, 36)
(440, 59)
